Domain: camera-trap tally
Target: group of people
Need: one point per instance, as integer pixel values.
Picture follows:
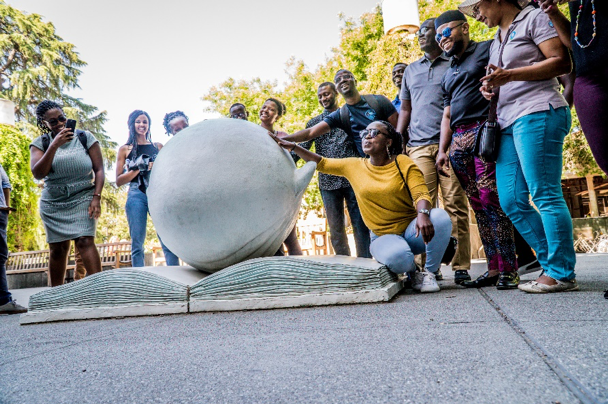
(387, 160)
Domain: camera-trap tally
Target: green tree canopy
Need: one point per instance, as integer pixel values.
(24, 226)
(37, 64)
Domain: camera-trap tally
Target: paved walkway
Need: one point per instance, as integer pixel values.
(455, 346)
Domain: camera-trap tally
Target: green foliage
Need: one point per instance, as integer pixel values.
(24, 226)
(36, 64)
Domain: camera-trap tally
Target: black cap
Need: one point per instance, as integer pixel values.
(449, 16)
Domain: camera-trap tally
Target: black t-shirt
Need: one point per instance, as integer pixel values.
(361, 115)
(591, 60)
(461, 85)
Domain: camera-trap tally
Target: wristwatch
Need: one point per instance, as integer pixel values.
(425, 211)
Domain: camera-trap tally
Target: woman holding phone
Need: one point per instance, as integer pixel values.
(72, 169)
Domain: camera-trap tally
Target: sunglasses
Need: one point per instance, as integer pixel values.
(447, 32)
(370, 133)
(422, 31)
(55, 122)
(342, 78)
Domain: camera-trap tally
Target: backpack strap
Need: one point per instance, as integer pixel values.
(46, 142)
(372, 102)
(82, 136)
(345, 119)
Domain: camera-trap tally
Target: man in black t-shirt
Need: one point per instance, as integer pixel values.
(358, 112)
(335, 190)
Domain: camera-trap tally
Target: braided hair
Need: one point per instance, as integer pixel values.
(132, 140)
(41, 110)
(171, 116)
(281, 108)
(397, 145)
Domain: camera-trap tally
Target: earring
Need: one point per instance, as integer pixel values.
(388, 151)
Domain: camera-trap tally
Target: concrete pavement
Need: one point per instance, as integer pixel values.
(455, 346)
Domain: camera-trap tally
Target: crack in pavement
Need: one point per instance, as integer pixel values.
(571, 382)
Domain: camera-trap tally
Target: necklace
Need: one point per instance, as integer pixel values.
(578, 17)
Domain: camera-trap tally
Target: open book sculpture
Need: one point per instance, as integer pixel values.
(262, 283)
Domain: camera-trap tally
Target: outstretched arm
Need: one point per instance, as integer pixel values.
(309, 133)
(304, 154)
(559, 20)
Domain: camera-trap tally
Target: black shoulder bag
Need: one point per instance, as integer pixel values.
(450, 251)
(488, 136)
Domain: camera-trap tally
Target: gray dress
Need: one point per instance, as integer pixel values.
(68, 192)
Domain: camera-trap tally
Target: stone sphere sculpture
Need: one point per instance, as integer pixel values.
(222, 191)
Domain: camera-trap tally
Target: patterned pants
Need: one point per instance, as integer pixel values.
(478, 179)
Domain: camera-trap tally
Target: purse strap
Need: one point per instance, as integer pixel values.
(403, 178)
(492, 116)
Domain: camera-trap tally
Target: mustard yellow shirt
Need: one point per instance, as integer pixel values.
(385, 204)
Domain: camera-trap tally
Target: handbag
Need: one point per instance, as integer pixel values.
(487, 143)
(448, 255)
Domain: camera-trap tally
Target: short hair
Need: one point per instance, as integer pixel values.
(171, 116)
(281, 108)
(236, 104)
(343, 71)
(399, 64)
(396, 147)
(42, 109)
(329, 84)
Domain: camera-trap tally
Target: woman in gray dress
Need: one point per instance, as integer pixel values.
(72, 168)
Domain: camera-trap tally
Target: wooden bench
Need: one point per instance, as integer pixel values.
(113, 255)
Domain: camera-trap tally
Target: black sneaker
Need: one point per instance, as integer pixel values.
(533, 266)
(438, 275)
(461, 275)
(507, 280)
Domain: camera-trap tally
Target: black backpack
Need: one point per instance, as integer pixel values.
(82, 136)
(345, 113)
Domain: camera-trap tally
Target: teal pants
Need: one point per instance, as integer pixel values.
(530, 163)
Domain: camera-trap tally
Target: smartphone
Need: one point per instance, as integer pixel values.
(71, 124)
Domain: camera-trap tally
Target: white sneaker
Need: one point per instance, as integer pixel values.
(424, 282)
(533, 266)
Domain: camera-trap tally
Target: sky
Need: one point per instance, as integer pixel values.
(162, 56)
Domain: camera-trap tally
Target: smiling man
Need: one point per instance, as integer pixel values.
(335, 191)
(358, 112)
(420, 123)
(397, 73)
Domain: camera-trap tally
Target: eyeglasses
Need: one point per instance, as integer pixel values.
(343, 77)
(422, 31)
(240, 115)
(55, 122)
(447, 32)
(370, 133)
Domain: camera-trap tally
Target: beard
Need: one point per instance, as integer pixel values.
(456, 48)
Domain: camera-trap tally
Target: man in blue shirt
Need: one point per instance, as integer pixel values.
(358, 112)
(398, 71)
(7, 304)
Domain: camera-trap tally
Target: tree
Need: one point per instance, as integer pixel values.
(36, 64)
(24, 225)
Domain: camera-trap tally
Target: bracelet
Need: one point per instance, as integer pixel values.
(294, 146)
(99, 195)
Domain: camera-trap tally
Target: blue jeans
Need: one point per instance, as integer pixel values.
(530, 163)
(137, 216)
(397, 251)
(5, 295)
(333, 201)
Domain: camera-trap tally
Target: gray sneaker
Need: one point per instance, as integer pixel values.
(561, 286)
(12, 308)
